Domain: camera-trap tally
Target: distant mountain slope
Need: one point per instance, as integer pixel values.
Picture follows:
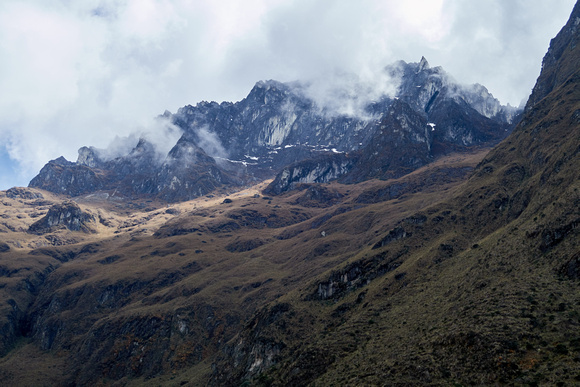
(279, 124)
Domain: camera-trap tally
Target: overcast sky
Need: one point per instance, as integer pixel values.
(76, 73)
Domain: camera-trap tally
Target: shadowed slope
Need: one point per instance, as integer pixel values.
(481, 288)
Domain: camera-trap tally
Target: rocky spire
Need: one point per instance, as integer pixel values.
(423, 64)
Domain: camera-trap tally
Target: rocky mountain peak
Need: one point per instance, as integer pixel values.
(279, 124)
(268, 92)
(143, 148)
(423, 64)
(88, 156)
(60, 161)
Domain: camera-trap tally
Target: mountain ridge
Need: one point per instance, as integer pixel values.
(279, 124)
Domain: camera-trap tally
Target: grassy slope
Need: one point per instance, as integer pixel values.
(480, 296)
(435, 281)
(187, 271)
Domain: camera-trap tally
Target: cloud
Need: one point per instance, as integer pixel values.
(349, 94)
(210, 143)
(159, 132)
(81, 73)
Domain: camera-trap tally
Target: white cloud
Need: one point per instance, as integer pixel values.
(81, 73)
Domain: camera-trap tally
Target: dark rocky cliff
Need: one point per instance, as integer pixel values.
(557, 65)
(278, 125)
(431, 116)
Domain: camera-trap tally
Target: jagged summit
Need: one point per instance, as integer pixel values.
(423, 64)
(270, 83)
(280, 124)
(88, 156)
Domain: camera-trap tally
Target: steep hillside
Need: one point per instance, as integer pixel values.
(438, 262)
(158, 292)
(478, 289)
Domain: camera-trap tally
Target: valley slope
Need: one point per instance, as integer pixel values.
(454, 267)
(481, 288)
(144, 290)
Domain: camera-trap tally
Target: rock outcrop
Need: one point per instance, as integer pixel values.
(67, 214)
(318, 170)
(23, 193)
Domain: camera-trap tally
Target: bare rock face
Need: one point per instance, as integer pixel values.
(188, 172)
(67, 214)
(402, 144)
(64, 177)
(280, 129)
(432, 116)
(320, 170)
(558, 65)
(89, 157)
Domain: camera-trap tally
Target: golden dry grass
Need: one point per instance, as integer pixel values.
(184, 271)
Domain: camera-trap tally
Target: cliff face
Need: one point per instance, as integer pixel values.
(63, 177)
(278, 125)
(402, 144)
(558, 65)
(318, 170)
(431, 116)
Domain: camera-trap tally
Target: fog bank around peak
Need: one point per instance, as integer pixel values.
(349, 94)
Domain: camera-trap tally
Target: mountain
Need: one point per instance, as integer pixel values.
(281, 124)
(480, 288)
(458, 269)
